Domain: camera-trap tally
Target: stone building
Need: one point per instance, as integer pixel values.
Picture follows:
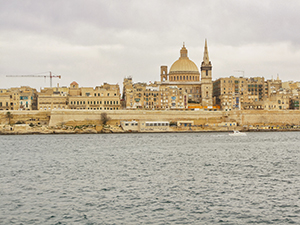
(104, 97)
(53, 98)
(181, 85)
(291, 85)
(153, 96)
(22, 98)
(4, 99)
(184, 74)
(279, 100)
(249, 93)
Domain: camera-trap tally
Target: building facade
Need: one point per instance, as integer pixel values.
(22, 98)
(104, 97)
(184, 74)
(253, 93)
(152, 96)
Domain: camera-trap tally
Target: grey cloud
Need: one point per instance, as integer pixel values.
(107, 40)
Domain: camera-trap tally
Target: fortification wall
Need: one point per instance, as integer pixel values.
(25, 117)
(246, 117)
(59, 117)
(251, 117)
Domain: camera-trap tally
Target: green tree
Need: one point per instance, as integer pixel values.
(9, 116)
(104, 118)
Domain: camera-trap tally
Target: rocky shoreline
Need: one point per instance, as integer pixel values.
(99, 129)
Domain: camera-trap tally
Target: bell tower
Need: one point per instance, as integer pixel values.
(206, 79)
(163, 73)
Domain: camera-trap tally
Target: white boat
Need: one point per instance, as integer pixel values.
(237, 133)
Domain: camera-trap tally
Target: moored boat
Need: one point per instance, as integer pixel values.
(237, 133)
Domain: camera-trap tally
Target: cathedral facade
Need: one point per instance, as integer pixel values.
(184, 74)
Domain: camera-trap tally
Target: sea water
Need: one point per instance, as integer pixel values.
(172, 178)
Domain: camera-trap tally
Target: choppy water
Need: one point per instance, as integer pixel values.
(186, 178)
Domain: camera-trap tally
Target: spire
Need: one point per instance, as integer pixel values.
(183, 51)
(205, 56)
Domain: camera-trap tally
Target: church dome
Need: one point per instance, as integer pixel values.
(184, 64)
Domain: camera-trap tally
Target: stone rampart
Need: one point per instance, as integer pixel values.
(245, 117)
(59, 117)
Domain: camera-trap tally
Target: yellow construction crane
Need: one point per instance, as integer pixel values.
(45, 76)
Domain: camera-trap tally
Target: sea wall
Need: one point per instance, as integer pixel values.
(245, 117)
(60, 117)
(200, 117)
(251, 117)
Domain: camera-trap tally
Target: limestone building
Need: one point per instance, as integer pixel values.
(185, 75)
(104, 97)
(4, 99)
(53, 98)
(250, 93)
(152, 96)
(21, 98)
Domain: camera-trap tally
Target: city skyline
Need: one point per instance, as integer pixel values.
(95, 42)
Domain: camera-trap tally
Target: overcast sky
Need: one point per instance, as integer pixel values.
(96, 41)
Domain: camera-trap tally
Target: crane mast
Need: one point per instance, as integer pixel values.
(45, 76)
